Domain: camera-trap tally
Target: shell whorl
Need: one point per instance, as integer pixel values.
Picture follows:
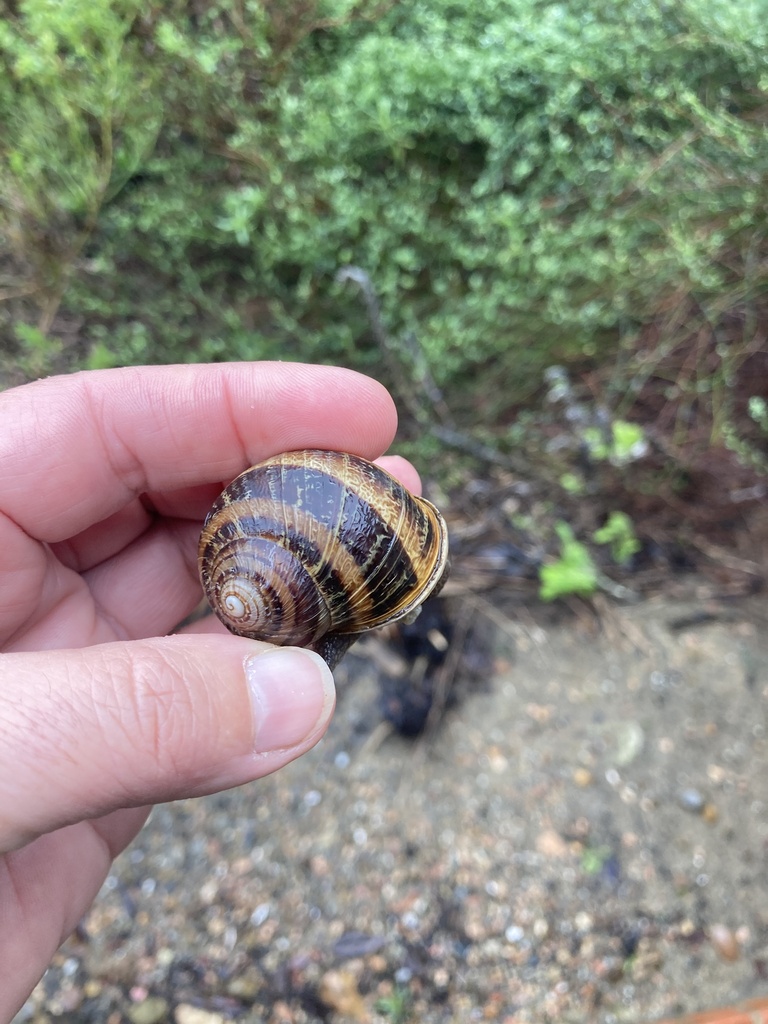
(261, 590)
(312, 543)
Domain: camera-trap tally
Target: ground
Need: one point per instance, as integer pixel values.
(579, 834)
(582, 837)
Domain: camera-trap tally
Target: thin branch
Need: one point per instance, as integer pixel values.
(434, 416)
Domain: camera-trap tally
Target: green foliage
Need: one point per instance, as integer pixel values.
(625, 443)
(594, 859)
(100, 357)
(396, 1006)
(37, 352)
(758, 410)
(79, 116)
(572, 483)
(524, 181)
(619, 532)
(750, 452)
(574, 572)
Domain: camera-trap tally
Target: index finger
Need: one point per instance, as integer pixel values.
(76, 449)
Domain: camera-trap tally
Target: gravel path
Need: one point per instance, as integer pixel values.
(583, 839)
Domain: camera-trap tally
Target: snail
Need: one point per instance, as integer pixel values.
(312, 548)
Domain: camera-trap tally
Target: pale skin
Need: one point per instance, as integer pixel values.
(105, 478)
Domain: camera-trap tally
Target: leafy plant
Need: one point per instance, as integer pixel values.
(524, 181)
(750, 452)
(572, 482)
(396, 1005)
(758, 410)
(574, 572)
(80, 115)
(37, 352)
(619, 532)
(625, 443)
(594, 859)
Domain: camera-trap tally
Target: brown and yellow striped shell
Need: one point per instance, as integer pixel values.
(312, 548)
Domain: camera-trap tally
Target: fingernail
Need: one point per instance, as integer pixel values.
(292, 695)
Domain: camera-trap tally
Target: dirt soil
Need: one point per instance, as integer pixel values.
(583, 837)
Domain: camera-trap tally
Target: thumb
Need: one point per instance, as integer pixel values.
(84, 732)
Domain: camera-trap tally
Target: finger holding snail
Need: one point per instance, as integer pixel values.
(401, 469)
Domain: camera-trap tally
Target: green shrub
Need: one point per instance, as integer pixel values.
(79, 116)
(524, 181)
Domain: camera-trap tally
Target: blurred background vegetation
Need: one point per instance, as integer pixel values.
(527, 183)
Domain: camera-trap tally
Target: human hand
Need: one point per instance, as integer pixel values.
(105, 478)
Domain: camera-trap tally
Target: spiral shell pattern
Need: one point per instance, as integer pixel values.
(312, 543)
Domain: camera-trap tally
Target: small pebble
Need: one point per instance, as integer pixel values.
(70, 967)
(611, 968)
(724, 942)
(582, 777)
(68, 1000)
(281, 1013)
(260, 914)
(583, 921)
(339, 992)
(354, 944)
(151, 1011)
(540, 713)
(246, 987)
(186, 1014)
(716, 774)
(690, 799)
(710, 813)
(441, 978)
(551, 844)
(629, 742)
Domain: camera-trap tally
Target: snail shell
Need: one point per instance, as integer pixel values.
(312, 548)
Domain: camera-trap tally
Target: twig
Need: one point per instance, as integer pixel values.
(465, 443)
(437, 419)
(616, 590)
(388, 349)
(721, 556)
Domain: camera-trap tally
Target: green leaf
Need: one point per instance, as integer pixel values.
(619, 532)
(573, 573)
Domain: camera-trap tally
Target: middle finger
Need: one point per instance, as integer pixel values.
(149, 587)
